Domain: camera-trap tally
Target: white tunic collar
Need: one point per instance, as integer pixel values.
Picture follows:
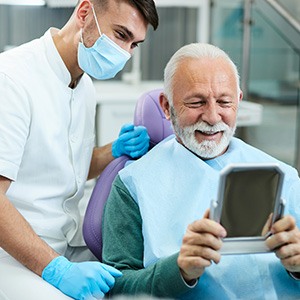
(55, 61)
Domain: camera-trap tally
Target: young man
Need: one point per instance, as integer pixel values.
(47, 110)
(157, 236)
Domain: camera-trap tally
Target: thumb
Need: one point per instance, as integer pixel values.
(267, 225)
(206, 214)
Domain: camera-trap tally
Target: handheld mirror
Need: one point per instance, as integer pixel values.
(248, 194)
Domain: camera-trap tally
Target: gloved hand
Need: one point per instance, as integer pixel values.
(133, 141)
(85, 280)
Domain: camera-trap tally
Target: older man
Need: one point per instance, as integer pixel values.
(47, 113)
(156, 226)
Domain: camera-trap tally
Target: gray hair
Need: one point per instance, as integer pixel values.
(194, 50)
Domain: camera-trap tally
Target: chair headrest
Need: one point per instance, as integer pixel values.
(149, 114)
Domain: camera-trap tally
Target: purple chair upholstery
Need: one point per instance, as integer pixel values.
(149, 114)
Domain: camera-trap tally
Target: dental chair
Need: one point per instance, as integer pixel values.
(149, 114)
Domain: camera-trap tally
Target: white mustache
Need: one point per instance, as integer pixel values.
(208, 129)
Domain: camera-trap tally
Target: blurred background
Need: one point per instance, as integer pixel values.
(261, 36)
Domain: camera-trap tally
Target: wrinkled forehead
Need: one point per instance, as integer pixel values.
(203, 78)
(190, 71)
(208, 64)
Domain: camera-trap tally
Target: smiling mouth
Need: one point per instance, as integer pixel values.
(209, 133)
(202, 136)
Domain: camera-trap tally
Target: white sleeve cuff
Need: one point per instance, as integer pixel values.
(294, 275)
(188, 285)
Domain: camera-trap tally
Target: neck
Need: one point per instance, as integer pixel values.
(74, 82)
(67, 44)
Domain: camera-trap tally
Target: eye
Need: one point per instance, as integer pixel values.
(195, 104)
(134, 45)
(225, 103)
(121, 35)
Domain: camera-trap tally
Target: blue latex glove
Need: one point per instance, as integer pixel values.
(133, 141)
(84, 280)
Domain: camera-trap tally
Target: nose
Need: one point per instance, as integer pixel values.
(211, 115)
(125, 46)
(128, 49)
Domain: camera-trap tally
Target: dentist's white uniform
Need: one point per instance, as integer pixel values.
(46, 143)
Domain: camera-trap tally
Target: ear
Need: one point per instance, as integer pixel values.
(164, 104)
(240, 96)
(83, 11)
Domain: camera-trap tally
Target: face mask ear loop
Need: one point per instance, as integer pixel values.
(97, 24)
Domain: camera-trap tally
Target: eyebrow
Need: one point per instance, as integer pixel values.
(129, 33)
(203, 96)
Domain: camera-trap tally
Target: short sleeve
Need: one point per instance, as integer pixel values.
(14, 126)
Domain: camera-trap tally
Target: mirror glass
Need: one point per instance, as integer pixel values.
(249, 199)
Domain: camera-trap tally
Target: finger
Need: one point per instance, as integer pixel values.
(113, 271)
(136, 131)
(204, 252)
(287, 251)
(286, 223)
(138, 153)
(136, 144)
(143, 136)
(135, 137)
(104, 279)
(126, 136)
(278, 240)
(126, 128)
(92, 298)
(291, 263)
(193, 262)
(267, 225)
(206, 214)
(132, 138)
(207, 226)
(95, 288)
(103, 285)
(98, 295)
(202, 240)
(140, 130)
(140, 134)
(99, 288)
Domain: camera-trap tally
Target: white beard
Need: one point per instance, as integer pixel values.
(206, 149)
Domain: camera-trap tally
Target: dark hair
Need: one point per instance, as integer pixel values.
(146, 7)
(148, 10)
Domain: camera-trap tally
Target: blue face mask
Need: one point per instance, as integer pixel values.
(104, 59)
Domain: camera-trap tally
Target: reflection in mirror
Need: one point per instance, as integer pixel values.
(247, 207)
